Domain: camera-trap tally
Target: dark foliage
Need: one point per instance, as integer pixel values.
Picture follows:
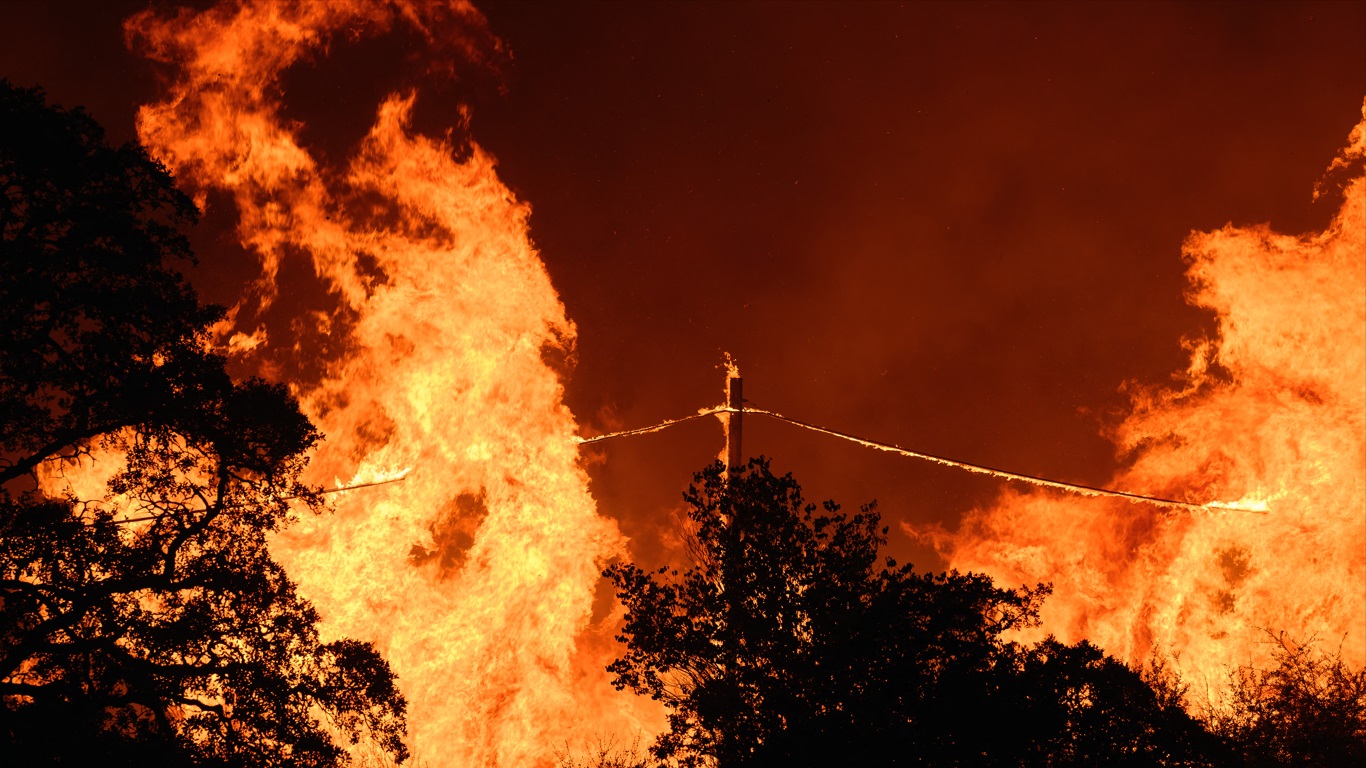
(788, 644)
(605, 753)
(1071, 705)
(95, 331)
(145, 623)
(1309, 709)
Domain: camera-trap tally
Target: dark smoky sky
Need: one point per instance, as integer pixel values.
(954, 226)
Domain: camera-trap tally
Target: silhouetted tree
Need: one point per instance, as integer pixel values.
(605, 753)
(787, 644)
(1307, 710)
(1071, 705)
(145, 622)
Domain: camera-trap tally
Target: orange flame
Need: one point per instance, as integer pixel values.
(1272, 413)
(476, 574)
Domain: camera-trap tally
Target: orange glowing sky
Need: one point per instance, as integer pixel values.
(951, 226)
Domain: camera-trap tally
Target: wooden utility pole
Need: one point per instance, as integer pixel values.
(736, 402)
(731, 552)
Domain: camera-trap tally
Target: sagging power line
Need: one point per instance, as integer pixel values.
(736, 406)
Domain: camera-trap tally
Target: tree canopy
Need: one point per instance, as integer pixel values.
(1308, 709)
(789, 643)
(146, 622)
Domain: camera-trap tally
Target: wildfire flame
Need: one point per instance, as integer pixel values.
(476, 575)
(1272, 412)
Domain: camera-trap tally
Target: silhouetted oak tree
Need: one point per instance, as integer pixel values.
(789, 644)
(146, 622)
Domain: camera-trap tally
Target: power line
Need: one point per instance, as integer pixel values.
(1079, 488)
(661, 426)
(1086, 490)
(323, 492)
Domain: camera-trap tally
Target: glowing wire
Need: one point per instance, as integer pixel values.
(370, 484)
(647, 430)
(1078, 488)
(325, 491)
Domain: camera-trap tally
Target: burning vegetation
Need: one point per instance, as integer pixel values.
(1271, 411)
